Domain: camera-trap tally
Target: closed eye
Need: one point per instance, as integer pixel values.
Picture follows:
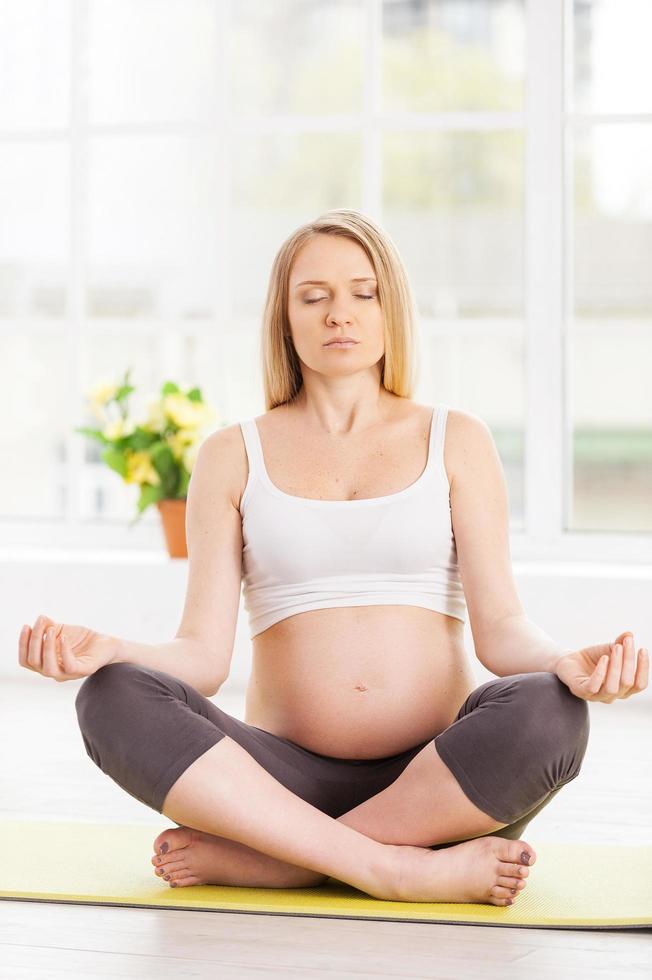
(359, 296)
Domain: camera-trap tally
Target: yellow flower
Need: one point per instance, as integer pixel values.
(99, 396)
(118, 428)
(187, 435)
(190, 455)
(103, 391)
(140, 469)
(179, 440)
(184, 412)
(156, 420)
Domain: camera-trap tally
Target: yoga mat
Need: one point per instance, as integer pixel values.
(571, 886)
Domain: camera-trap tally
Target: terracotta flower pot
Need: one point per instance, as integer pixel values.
(173, 516)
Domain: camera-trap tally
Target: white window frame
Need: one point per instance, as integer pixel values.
(548, 123)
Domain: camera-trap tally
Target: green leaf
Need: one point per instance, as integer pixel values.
(93, 434)
(142, 439)
(163, 458)
(169, 388)
(148, 495)
(194, 395)
(182, 489)
(123, 392)
(167, 468)
(116, 459)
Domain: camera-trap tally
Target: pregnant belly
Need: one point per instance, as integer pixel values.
(364, 683)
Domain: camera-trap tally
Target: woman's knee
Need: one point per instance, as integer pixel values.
(558, 722)
(553, 697)
(107, 693)
(104, 681)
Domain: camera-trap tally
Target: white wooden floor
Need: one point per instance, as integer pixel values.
(46, 774)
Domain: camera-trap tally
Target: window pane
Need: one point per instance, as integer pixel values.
(295, 57)
(613, 220)
(34, 228)
(482, 368)
(454, 202)
(612, 330)
(32, 435)
(152, 226)
(612, 417)
(613, 70)
(280, 182)
(152, 61)
(453, 55)
(225, 364)
(35, 64)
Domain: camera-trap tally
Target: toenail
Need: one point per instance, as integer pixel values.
(164, 848)
(525, 857)
(167, 877)
(513, 891)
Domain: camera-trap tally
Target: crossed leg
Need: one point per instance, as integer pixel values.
(538, 735)
(425, 805)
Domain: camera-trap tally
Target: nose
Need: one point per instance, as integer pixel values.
(338, 315)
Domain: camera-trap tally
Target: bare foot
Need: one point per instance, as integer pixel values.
(488, 870)
(193, 857)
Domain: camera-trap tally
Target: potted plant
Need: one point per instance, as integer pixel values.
(157, 453)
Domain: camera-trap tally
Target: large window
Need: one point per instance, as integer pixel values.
(610, 286)
(156, 154)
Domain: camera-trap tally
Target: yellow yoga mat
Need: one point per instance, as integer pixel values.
(572, 886)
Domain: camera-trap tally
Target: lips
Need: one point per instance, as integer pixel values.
(341, 340)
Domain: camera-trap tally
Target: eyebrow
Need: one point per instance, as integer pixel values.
(323, 282)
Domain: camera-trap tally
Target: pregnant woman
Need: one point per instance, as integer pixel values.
(361, 526)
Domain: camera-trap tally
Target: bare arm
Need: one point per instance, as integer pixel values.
(506, 641)
(184, 658)
(516, 645)
(42, 649)
(201, 652)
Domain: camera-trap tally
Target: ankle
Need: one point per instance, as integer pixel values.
(383, 872)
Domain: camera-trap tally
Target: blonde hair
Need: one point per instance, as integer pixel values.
(281, 369)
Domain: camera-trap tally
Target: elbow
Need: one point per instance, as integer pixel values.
(213, 688)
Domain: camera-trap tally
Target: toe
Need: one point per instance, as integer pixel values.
(518, 871)
(517, 852)
(503, 893)
(174, 871)
(499, 892)
(170, 860)
(172, 839)
(182, 882)
(510, 883)
(527, 854)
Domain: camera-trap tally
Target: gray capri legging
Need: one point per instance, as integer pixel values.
(515, 741)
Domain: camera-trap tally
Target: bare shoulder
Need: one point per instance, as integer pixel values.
(272, 415)
(468, 437)
(226, 455)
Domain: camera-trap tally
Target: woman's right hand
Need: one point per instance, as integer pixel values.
(63, 652)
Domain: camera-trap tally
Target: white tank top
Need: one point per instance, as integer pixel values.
(300, 553)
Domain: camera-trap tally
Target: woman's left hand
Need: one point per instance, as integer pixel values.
(606, 671)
